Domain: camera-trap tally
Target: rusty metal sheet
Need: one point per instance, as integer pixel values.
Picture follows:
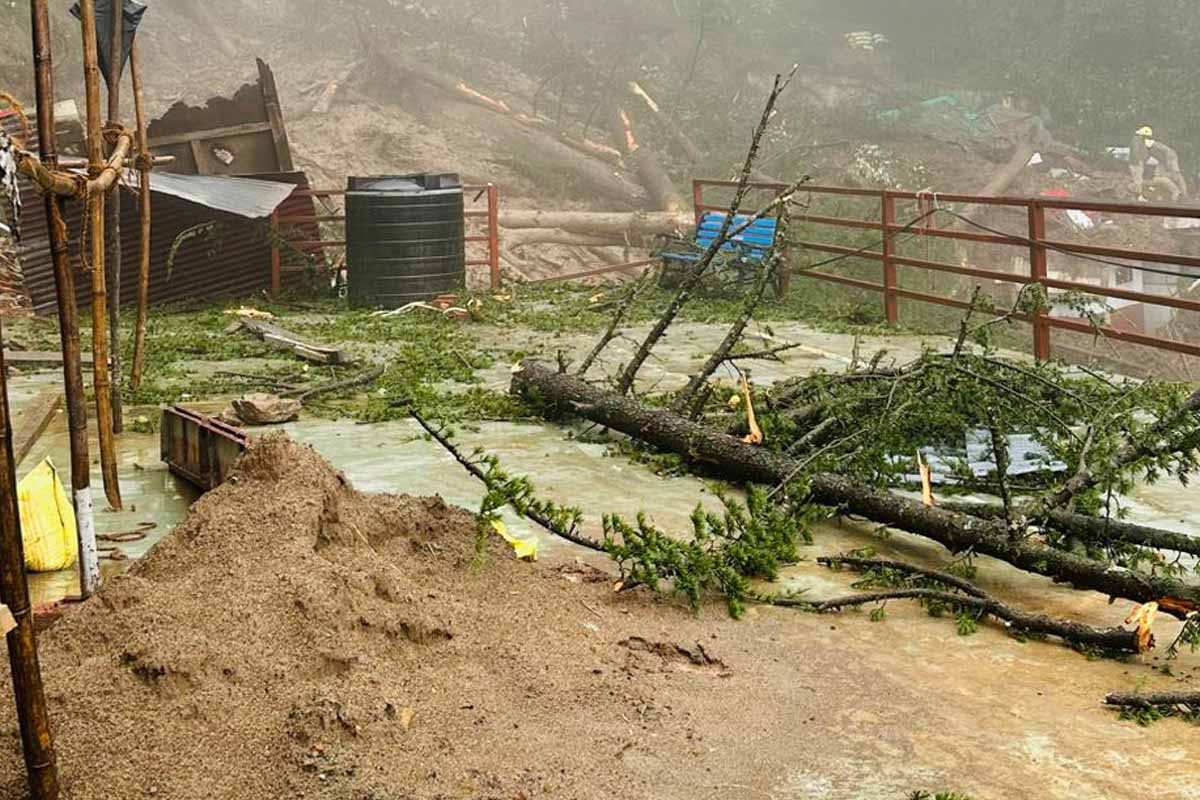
(200, 449)
(233, 259)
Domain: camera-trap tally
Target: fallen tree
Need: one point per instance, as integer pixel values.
(592, 223)
(561, 394)
(1158, 700)
(654, 179)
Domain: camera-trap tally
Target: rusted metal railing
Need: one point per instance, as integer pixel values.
(1036, 243)
(490, 235)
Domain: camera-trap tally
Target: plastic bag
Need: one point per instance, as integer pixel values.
(47, 521)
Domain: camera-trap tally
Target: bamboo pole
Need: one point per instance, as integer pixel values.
(33, 719)
(144, 162)
(102, 385)
(68, 312)
(112, 232)
(66, 184)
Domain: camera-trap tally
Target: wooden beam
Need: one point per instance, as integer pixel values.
(214, 133)
(41, 357)
(286, 340)
(34, 421)
(270, 94)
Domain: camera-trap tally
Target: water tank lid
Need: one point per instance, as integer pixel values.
(425, 183)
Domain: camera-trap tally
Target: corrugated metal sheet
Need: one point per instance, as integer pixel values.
(234, 259)
(245, 197)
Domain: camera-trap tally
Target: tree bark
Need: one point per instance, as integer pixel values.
(68, 312)
(1014, 619)
(528, 236)
(1096, 530)
(145, 206)
(683, 143)
(1157, 700)
(112, 230)
(591, 223)
(735, 460)
(654, 179)
(95, 222)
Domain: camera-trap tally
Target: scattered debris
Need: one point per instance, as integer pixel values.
(265, 409)
(285, 340)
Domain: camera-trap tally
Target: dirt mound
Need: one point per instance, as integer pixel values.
(294, 638)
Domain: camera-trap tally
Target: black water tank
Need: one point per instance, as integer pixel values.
(404, 239)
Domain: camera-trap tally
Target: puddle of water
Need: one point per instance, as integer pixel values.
(396, 457)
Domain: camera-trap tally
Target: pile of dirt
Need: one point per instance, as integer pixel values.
(295, 638)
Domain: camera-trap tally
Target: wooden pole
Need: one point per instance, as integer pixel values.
(144, 163)
(36, 741)
(112, 233)
(68, 312)
(95, 224)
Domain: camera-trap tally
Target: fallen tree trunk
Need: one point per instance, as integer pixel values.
(1094, 530)
(1157, 700)
(591, 223)
(527, 236)
(1015, 620)
(735, 460)
(649, 168)
(687, 148)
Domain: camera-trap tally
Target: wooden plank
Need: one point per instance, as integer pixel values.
(7, 623)
(197, 156)
(40, 357)
(34, 421)
(214, 133)
(283, 151)
(286, 340)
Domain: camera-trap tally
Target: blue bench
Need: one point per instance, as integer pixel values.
(740, 258)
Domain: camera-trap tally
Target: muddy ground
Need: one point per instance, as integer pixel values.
(294, 638)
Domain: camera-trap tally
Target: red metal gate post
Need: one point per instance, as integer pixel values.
(888, 218)
(276, 267)
(1038, 271)
(493, 199)
(698, 200)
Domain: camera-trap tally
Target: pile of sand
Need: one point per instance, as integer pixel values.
(295, 638)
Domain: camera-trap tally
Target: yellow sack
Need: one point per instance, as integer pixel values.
(47, 521)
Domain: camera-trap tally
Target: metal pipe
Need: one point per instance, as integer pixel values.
(95, 217)
(68, 312)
